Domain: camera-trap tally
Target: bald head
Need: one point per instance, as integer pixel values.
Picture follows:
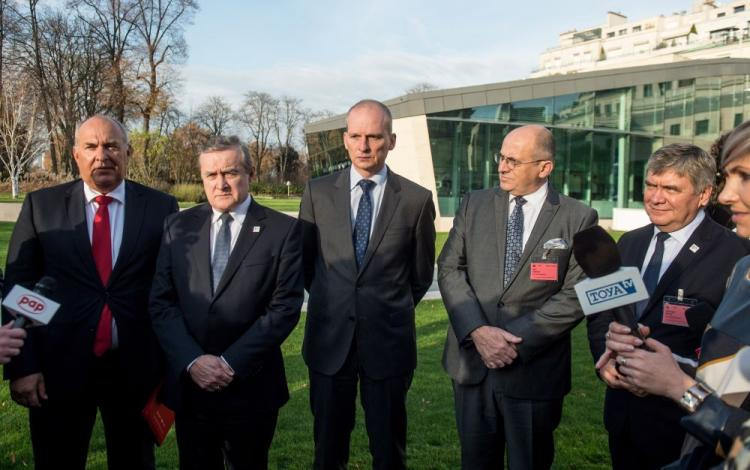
(527, 159)
(100, 118)
(377, 105)
(537, 137)
(101, 153)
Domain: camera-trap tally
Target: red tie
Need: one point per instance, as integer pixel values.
(101, 248)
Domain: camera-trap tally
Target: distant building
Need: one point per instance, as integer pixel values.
(709, 30)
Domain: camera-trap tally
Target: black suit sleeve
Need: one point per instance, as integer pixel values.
(166, 315)
(309, 235)
(423, 260)
(25, 266)
(282, 313)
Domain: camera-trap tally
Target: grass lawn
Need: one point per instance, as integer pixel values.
(581, 441)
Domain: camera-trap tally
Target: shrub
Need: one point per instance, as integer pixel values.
(188, 193)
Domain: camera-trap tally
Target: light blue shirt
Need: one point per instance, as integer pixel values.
(376, 193)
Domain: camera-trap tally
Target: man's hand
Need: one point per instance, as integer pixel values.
(29, 391)
(654, 371)
(613, 378)
(211, 373)
(11, 341)
(496, 346)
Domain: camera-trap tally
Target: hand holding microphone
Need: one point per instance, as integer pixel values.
(32, 306)
(11, 341)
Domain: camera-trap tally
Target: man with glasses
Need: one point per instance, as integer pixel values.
(506, 275)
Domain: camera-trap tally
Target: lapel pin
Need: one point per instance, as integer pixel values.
(694, 248)
(256, 228)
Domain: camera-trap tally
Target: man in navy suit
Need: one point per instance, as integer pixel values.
(685, 259)
(98, 238)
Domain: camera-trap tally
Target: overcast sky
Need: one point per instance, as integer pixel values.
(332, 53)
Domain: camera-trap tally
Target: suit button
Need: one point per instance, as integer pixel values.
(500, 304)
(352, 318)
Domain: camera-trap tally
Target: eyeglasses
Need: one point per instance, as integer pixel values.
(512, 162)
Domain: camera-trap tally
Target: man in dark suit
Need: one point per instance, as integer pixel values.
(685, 259)
(506, 275)
(98, 238)
(369, 253)
(228, 290)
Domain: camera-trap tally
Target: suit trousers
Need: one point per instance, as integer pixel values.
(208, 443)
(487, 421)
(61, 430)
(333, 399)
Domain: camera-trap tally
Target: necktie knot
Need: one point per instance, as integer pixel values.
(226, 218)
(366, 185)
(662, 237)
(103, 200)
(520, 201)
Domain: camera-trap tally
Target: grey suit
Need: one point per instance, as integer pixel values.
(360, 323)
(526, 397)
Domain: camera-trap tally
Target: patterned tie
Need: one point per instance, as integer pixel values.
(101, 249)
(222, 247)
(651, 274)
(361, 235)
(514, 241)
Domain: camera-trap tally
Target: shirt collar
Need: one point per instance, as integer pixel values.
(118, 194)
(536, 198)
(378, 178)
(682, 235)
(238, 214)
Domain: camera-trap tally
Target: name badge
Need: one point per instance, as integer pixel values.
(543, 271)
(674, 310)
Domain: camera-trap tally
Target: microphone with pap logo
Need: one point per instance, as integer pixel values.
(32, 306)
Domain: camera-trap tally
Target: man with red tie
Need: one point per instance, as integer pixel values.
(98, 237)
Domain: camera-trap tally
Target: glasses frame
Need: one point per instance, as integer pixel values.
(512, 162)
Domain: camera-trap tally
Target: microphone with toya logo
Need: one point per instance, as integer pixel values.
(609, 286)
(33, 307)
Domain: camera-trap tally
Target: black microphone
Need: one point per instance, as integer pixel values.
(45, 288)
(597, 254)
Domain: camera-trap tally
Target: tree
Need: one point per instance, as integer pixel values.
(289, 117)
(21, 139)
(215, 114)
(258, 112)
(159, 25)
(421, 87)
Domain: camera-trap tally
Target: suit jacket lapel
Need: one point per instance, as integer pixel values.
(343, 210)
(682, 262)
(134, 208)
(501, 227)
(75, 207)
(391, 199)
(245, 241)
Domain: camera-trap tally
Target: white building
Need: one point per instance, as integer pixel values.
(710, 30)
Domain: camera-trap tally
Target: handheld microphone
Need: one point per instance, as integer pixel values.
(609, 286)
(32, 306)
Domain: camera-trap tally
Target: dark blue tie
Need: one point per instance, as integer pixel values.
(651, 274)
(514, 241)
(361, 235)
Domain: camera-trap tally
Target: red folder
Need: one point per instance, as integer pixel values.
(158, 416)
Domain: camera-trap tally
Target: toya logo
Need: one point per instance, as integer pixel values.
(31, 304)
(610, 291)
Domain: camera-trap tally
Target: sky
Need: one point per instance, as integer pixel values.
(331, 53)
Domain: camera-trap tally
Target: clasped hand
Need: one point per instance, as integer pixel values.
(496, 346)
(211, 373)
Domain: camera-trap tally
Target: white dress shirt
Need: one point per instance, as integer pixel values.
(376, 192)
(673, 244)
(116, 209)
(531, 210)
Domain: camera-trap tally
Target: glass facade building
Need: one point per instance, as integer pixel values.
(604, 135)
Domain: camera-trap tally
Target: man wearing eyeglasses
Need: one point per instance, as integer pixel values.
(506, 275)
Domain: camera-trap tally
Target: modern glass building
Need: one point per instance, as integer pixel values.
(606, 125)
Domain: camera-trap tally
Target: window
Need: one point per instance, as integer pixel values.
(674, 129)
(739, 9)
(664, 87)
(721, 15)
(685, 83)
(622, 31)
(738, 119)
(611, 34)
(636, 29)
(701, 127)
(648, 91)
